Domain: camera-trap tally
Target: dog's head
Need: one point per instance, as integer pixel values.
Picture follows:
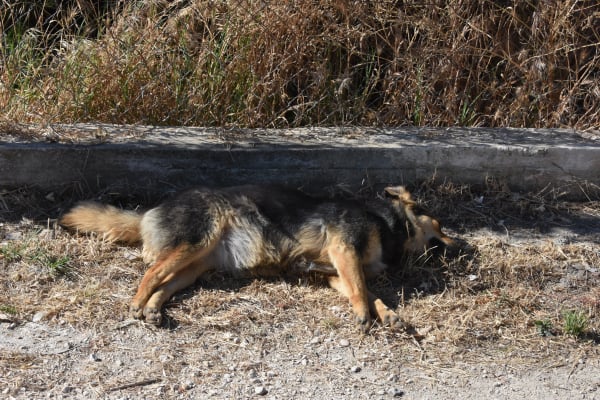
(424, 232)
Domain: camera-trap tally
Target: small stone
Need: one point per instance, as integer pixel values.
(355, 369)
(13, 236)
(46, 234)
(187, 385)
(68, 389)
(395, 392)
(344, 343)
(315, 340)
(94, 357)
(131, 255)
(260, 390)
(38, 316)
(163, 358)
(5, 318)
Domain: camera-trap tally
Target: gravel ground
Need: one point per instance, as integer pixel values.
(64, 330)
(135, 361)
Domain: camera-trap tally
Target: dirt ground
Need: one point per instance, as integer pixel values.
(515, 315)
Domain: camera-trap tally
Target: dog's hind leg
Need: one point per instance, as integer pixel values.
(169, 286)
(168, 264)
(350, 280)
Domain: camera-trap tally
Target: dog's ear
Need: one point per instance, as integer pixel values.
(400, 193)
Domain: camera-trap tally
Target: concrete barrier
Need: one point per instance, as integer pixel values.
(159, 158)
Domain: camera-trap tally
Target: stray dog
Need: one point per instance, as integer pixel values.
(266, 230)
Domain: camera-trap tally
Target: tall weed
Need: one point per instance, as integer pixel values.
(294, 63)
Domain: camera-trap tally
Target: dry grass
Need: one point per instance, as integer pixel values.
(293, 63)
(506, 294)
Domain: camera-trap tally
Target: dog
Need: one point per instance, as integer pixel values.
(265, 230)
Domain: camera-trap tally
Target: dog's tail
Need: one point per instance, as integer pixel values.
(115, 224)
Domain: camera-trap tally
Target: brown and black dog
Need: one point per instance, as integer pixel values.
(263, 230)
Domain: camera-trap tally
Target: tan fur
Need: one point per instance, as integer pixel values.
(425, 227)
(231, 240)
(350, 280)
(115, 224)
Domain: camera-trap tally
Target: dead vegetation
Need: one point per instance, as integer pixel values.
(297, 63)
(511, 286)
(523, 293)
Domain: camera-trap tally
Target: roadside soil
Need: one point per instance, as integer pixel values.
(495, 322)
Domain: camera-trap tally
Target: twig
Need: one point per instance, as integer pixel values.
(145, 382)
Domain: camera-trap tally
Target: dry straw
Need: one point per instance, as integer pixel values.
(504, 292)
(292, 63)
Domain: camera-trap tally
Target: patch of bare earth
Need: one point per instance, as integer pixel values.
(490, 323)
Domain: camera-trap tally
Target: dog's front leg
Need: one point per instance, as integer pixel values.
(384, 313)
(350, 281)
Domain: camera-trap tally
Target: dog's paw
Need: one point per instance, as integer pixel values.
(136, 311)
(153, 315)
(391, 319)
(363, 323)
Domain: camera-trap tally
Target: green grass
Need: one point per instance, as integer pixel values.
(575, 322)
(56, 265)
(8, 309)
(12, 251)
(544, 327)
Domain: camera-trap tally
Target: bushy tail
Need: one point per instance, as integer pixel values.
(115, 224)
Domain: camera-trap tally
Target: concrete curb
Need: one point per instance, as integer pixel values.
(150, 158)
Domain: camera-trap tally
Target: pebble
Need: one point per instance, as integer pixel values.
(344, 343)
(315, 340)
(355, 369)
(13, 236)
(260, 390)
(163, 358)
(131, 255)
(187, 385)
(38, 316)
(395, 392)
(68, 389)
